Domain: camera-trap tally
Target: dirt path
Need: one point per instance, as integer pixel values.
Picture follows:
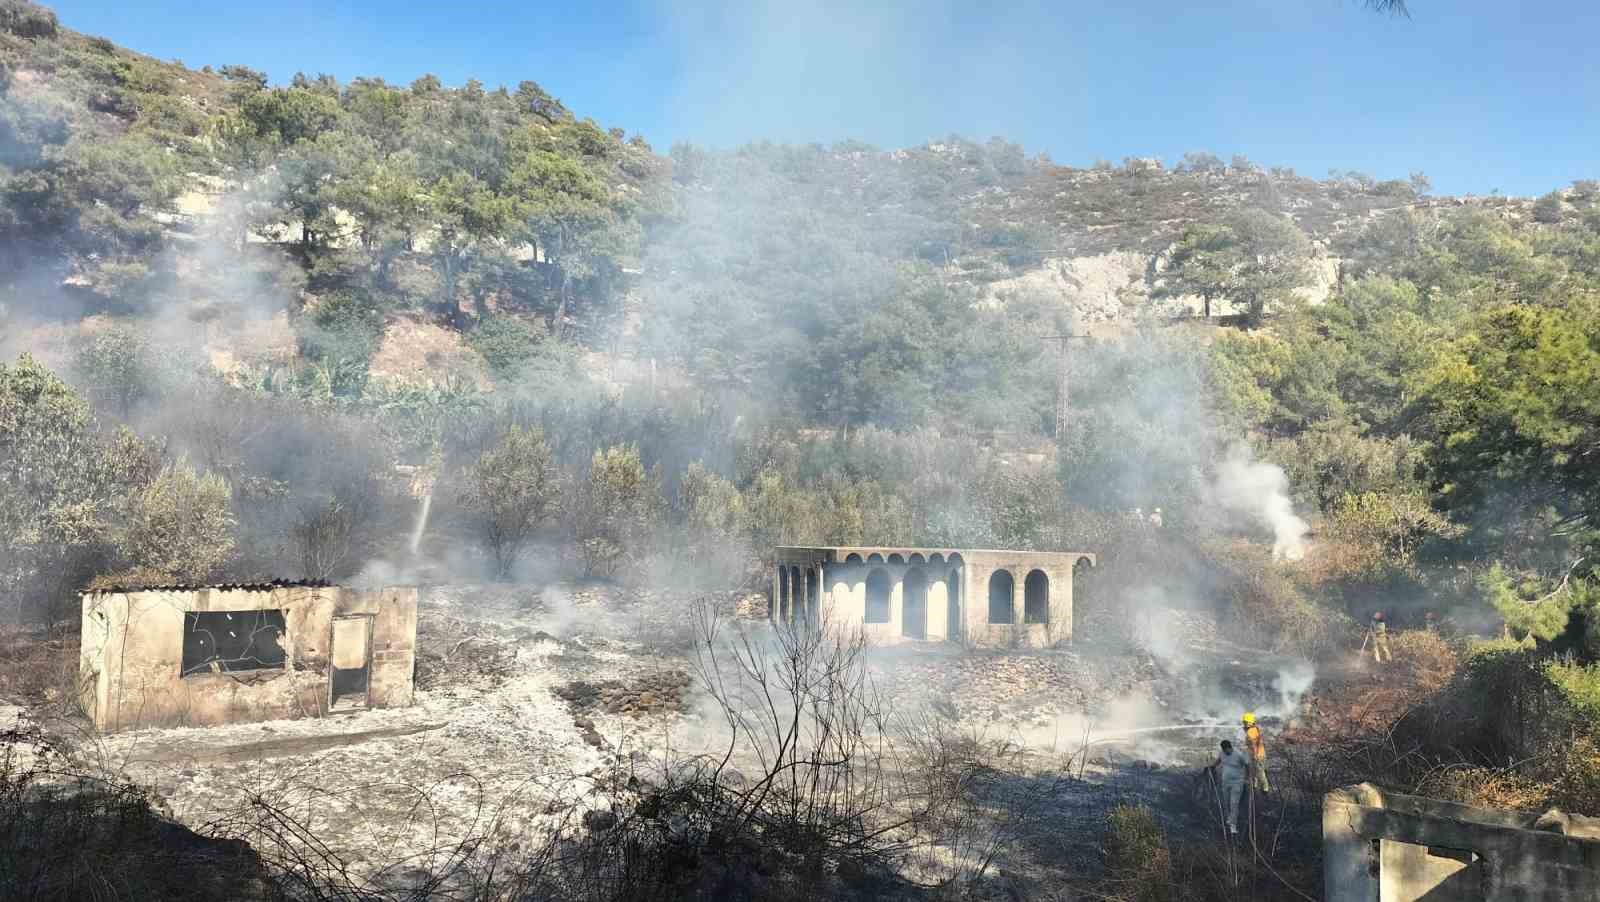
(294, 746)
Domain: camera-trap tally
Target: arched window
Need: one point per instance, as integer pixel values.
(780, 604)
(1001, 588)
(878, 588)
(914, 604)
(810, 614)
(952, 605)
(797, 589)
(1082, 588)
(1036, 598)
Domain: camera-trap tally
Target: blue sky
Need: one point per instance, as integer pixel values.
(1479, 94)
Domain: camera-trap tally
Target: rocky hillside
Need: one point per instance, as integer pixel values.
(324, 240)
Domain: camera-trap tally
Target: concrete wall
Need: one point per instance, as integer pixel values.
(132, 654)
(1387, 847)
(842, 591)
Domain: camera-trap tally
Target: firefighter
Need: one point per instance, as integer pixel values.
(1231, 769)
(1258, 753)
(1380, 639)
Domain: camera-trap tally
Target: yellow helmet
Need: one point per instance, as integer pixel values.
(1248, 717)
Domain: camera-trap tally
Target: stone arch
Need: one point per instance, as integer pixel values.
(1080, 588)
(780, 602)
(954, 559)
(1036, 597)
(952, 605)
(1002, 592)
(914, 604)
(915, 558)
(853, 558)
(936, 559)
(879, 588)
(810, 614)
(896, 558)
(874, 558)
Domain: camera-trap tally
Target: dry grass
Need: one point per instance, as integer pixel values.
(1485, 787)
(38, 671)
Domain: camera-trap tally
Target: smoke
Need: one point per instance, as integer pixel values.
(1294, 680)
(1260, 491)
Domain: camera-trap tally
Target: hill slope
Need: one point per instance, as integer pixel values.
(291, 236)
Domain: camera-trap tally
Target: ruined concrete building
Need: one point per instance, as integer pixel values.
(1387, 847)
(202, 656)
(977, 598)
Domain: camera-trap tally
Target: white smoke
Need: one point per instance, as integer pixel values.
(1293, 682)
(1260, 490)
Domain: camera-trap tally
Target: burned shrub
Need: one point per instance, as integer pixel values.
(28, 20)
(689, 838)
(66, 833)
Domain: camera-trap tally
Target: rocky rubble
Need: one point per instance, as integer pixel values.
(651, 694)
(657, 693)
(1011, 686)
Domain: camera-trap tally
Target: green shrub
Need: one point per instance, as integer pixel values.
(1578, 686)
(516, 349)
(180, 523)
(1506, 701)
(617, 509)
(342, 334)
(709, 509)
(116, 366)
(512, 491)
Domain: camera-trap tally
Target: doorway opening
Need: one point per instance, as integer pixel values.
(350, 657)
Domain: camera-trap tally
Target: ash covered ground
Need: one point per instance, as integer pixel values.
(527, 699)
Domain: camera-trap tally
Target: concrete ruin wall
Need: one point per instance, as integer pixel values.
(1387, 847)
(133, 650)
(898, 595)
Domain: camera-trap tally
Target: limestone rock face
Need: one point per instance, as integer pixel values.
(1114, 287)
(1092, 285)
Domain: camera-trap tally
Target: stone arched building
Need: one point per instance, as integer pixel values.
(977, 598)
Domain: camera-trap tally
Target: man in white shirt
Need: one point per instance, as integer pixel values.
(1232, 768)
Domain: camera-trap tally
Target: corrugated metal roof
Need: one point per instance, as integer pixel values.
(227, 587)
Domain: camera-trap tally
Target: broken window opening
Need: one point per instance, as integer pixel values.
(232, 641)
